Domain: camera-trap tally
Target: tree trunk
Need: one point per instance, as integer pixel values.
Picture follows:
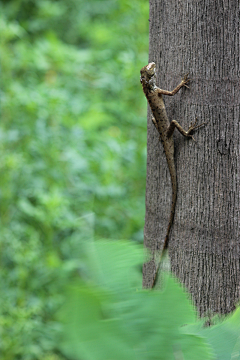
(200, 37)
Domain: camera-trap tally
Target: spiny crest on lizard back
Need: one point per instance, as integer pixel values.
(147, 77)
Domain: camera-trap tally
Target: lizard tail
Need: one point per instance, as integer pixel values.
(174, 200)
(166, 241)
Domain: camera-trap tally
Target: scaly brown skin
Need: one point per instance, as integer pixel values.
(165, 129)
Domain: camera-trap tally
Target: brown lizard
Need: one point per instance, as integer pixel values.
(165, 129)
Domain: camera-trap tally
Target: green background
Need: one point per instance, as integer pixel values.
(72, 151)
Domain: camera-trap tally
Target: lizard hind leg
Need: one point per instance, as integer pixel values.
(174, 124)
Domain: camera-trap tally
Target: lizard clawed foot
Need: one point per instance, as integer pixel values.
(185, 80)
(194, 127)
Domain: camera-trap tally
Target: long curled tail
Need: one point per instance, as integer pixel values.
(166, 241)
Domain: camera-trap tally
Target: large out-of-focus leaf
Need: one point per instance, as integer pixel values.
(155, 318)
(91, 331)
(224, 337)
(143, 324)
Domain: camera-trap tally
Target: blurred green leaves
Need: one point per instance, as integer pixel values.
(108, 315)
(72, 111)
(224, 336)
(72, 151)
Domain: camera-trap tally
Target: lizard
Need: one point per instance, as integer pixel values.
(165, 129)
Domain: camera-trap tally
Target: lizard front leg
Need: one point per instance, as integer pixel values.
(174, 124)
(184, 82)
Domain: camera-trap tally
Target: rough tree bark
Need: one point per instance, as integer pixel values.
(200, 37)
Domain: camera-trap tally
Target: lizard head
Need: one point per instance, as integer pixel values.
(147, 77)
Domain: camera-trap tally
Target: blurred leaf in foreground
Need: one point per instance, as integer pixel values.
(103, 320)
(223, 337)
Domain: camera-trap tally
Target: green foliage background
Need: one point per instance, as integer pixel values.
(72, 151)
(72, 168)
